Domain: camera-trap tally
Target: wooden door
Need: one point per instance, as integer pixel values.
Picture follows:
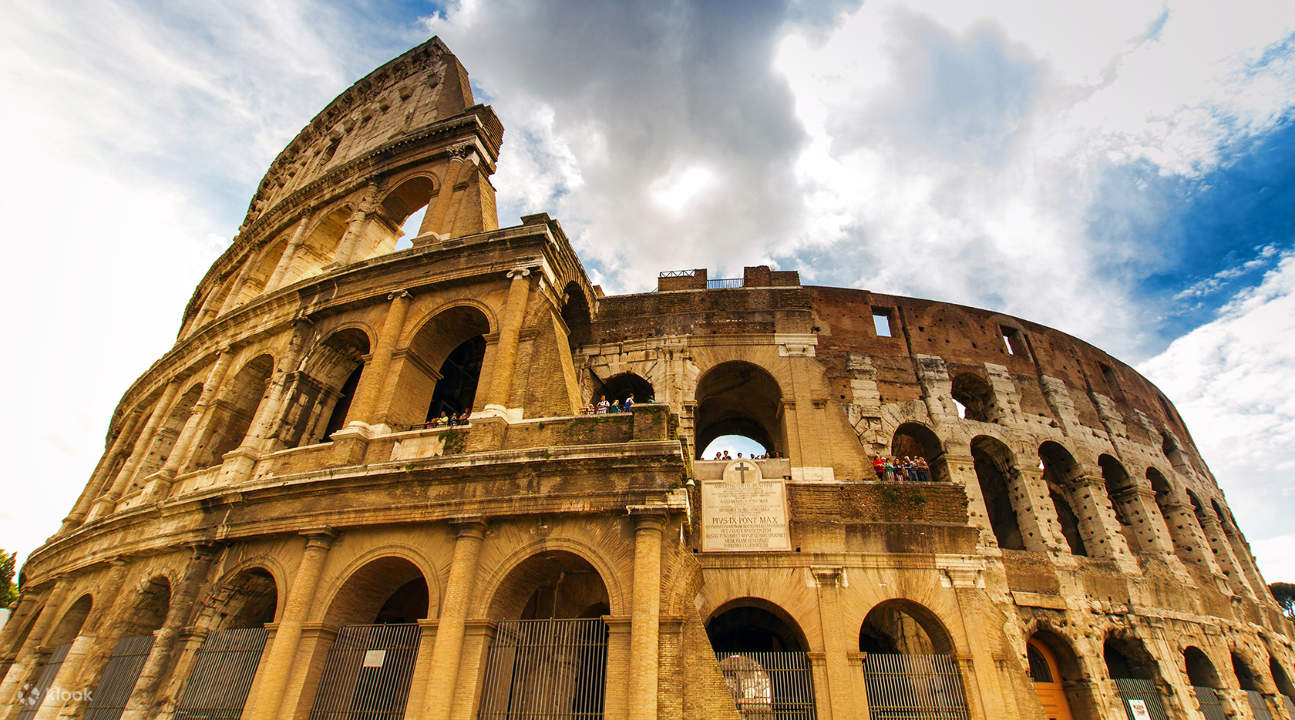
(1047, 682)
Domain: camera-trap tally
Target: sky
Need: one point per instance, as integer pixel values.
(1123, 171)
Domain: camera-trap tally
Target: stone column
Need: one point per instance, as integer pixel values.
(1223, 554)
(236, 290)
(510, 326)
(645, 613)
(107, 501)
(285, 260)
(437, 219)
(182, 453)
(1103, 536)
(1188, 537)
(448, 649)
(270, 702)
(350, 241)
(103, 472)
(1035, 514)
(374, 376)
(841, 690)
(238, 467)
(26, 653)
(418, 681)
(159, 661)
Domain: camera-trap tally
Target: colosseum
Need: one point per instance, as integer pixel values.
(373, 478)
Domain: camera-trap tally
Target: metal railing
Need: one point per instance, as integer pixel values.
(676, 273)
(32, 697)
(222, 675)
(721, 283)
(769, 685)
(914, 687)
(1290, 704)
(1210, 702)
(1258, 705)
(1142, 693)
(367, 673)
(119, 678)
(545, 670)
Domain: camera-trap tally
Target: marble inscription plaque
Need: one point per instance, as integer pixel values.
(744, 512)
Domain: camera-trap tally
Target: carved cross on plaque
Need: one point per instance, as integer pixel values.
(742, 469)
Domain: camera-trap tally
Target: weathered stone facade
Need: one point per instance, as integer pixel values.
(274, 531)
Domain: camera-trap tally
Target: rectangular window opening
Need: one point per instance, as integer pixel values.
(881, 322)
(1013, 339)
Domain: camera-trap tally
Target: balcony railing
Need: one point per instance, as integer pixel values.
(722, 283)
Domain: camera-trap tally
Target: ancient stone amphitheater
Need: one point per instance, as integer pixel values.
(279, 529)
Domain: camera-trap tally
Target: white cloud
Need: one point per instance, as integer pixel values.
(1231, 381)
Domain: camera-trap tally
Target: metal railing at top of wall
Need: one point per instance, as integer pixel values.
(676, 273)
(723, 283)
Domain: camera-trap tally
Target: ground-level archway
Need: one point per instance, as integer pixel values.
(548, 657)
(762, 654)
(1058, 678)
(60, 639)
(1136, 675)
(908, 664)
(130, 651)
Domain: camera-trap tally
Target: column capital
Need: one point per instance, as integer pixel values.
(318, 537)
(469, 527)
(828, 575)
(516, 273)
(648, 517)
(399, 295)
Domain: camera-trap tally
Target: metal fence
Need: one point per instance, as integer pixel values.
(769, 685)
(676, 273)
(31, 696)
(367, 673)
(118, 679)
(1290, 704)
(1142, 693)
(545, 670)
(1211, 703)
(222, 675)
(721, 283)
(1258, 705)
(914, 687)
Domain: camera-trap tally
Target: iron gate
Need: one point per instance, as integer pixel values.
(222, 675)
(31, 696)
(1211, 703)
(367, 673)
(772, 685)
(545, 670)
(914, 687)
(1258, 705)
(118, 678)
(1290, 705)
(1137, 690)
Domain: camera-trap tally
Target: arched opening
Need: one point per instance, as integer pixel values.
(975, 398)
(261, 271)
(1134, 672)
(1057, 677)
(915, 440)
(406, 208)
(370, 665)
(576, 316)
(1179, 536)
(1120, 491)
(738, 398)
(617, 388)
(1173, 453)
(121, 672)
(1059, 469)
(320, 395)
(1245, 676)
(908, 664)
(60, 639)
(1205, 682)
(1240, 550)
(548, 658)
(226, 662)
(232, 413)
(762, 654)
(319, 246)
(159, 450)
(1283, 683)
(995, 471)
(443, 367)
(1210, 529)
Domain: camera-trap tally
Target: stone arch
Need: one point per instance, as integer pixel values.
(1126, 656)
(410, 195)
(754, 624)
(492, 586)
(1280, 678)
(320, 394)
(995, 471)
(904, 627)
(1180, 537)
(233, 411)
(69, 625)
(975, 396)
(913, 439)
(622, 385)
(384, 590)
(443, 366)
(1246, 679)
(1200, 670)
(260, 269)
(1058, 674)
(148, 608)
(247, 596)
(319, 243)
(1059, 471)
(159, 450)
(739, 398)
(554, 584)
(576, 315)
(1120, 491)
(334, 586)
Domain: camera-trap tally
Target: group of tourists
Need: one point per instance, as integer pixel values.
(723, 455)
(905, 468)
(603, 406)
(448, 419)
